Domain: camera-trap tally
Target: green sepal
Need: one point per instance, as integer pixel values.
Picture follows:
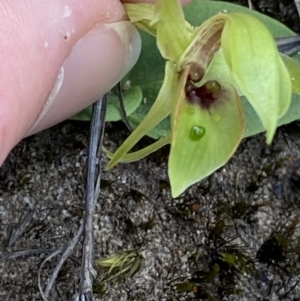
(140, 154)
(174, 34)
(160, 110)
(260, 75)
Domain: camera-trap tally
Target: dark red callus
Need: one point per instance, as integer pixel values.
(203, 96)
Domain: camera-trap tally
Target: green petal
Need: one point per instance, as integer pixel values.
(139, 11)
(258, 71)
(160, 110)
(174, 34)
(294, 71)
(206, 41)
(219, 70)
(203, 139)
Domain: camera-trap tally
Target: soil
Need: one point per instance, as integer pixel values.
(284, 11)
(233, 236)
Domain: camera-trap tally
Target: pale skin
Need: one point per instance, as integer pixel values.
(91, 39)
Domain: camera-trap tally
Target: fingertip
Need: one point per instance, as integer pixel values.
(97, 62)
(35, 40)
(183, 2)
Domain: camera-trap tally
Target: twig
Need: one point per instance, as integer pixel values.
(96, 136)
(288, 45)
(297, 3)
(25, 253)
(122, 108)
(45, 298)
(21, 228)
(63, 258)
(250, 4)
(86, 288)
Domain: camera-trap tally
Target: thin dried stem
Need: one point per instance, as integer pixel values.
(297, 3)
(63, 258)
(45, 298)
(24, 253)
(288, 45)
(21, 228)
(250, 4)
(93, 175)
(122, 108)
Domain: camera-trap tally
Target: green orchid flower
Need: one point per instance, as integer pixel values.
(207, 68)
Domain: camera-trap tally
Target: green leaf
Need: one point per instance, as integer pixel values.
(163, 128)
(203, 140)
(84, 115)
(132, 99)
(149, 71)
(253, 123)
(294, 70)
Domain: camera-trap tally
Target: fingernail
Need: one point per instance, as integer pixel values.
(56, 88)
(131, 39)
